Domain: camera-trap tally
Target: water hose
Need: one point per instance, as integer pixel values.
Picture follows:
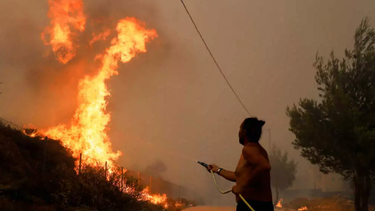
(221, 191)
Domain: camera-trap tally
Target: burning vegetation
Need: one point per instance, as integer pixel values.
(38, 173)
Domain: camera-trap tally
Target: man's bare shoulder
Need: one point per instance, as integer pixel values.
(250, 151)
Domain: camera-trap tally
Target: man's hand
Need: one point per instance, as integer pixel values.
(236, 190)
(212, 167)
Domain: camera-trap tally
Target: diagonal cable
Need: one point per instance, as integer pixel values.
(213, 58)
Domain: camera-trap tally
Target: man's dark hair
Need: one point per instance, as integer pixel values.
(253, 128)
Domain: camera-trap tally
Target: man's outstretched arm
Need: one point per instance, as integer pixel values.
(229, 175)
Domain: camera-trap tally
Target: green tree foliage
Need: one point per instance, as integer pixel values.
(283, 171)
(337, 133)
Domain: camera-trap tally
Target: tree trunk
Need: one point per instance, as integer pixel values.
(277, 197)
(362, 190)
(357, 193)
(366, 190)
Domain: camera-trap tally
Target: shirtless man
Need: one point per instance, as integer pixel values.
(252, 175)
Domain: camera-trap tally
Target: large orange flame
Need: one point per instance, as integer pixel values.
(87, 133)
(67, 19)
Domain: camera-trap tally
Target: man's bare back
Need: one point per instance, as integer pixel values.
(252, 175)
(257, 188)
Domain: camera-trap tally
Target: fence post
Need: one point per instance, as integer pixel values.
(122, 178)
(44, 155)
(150, 183)
(139, 179)
(80, 163)
(179, 192)
(105, 170)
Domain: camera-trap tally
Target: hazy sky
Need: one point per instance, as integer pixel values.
(172, 104)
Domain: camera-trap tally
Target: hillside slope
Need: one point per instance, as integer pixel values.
(38, 174)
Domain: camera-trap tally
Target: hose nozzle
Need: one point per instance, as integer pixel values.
(203, 164)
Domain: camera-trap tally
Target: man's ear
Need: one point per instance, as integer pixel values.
(243, 133)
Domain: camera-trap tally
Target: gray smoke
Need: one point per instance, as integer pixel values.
(156, 169)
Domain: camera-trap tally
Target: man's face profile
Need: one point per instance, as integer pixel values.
(241, 135)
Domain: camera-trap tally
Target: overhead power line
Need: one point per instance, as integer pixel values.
(213, 58)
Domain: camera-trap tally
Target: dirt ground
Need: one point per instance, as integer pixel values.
(207, 208)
